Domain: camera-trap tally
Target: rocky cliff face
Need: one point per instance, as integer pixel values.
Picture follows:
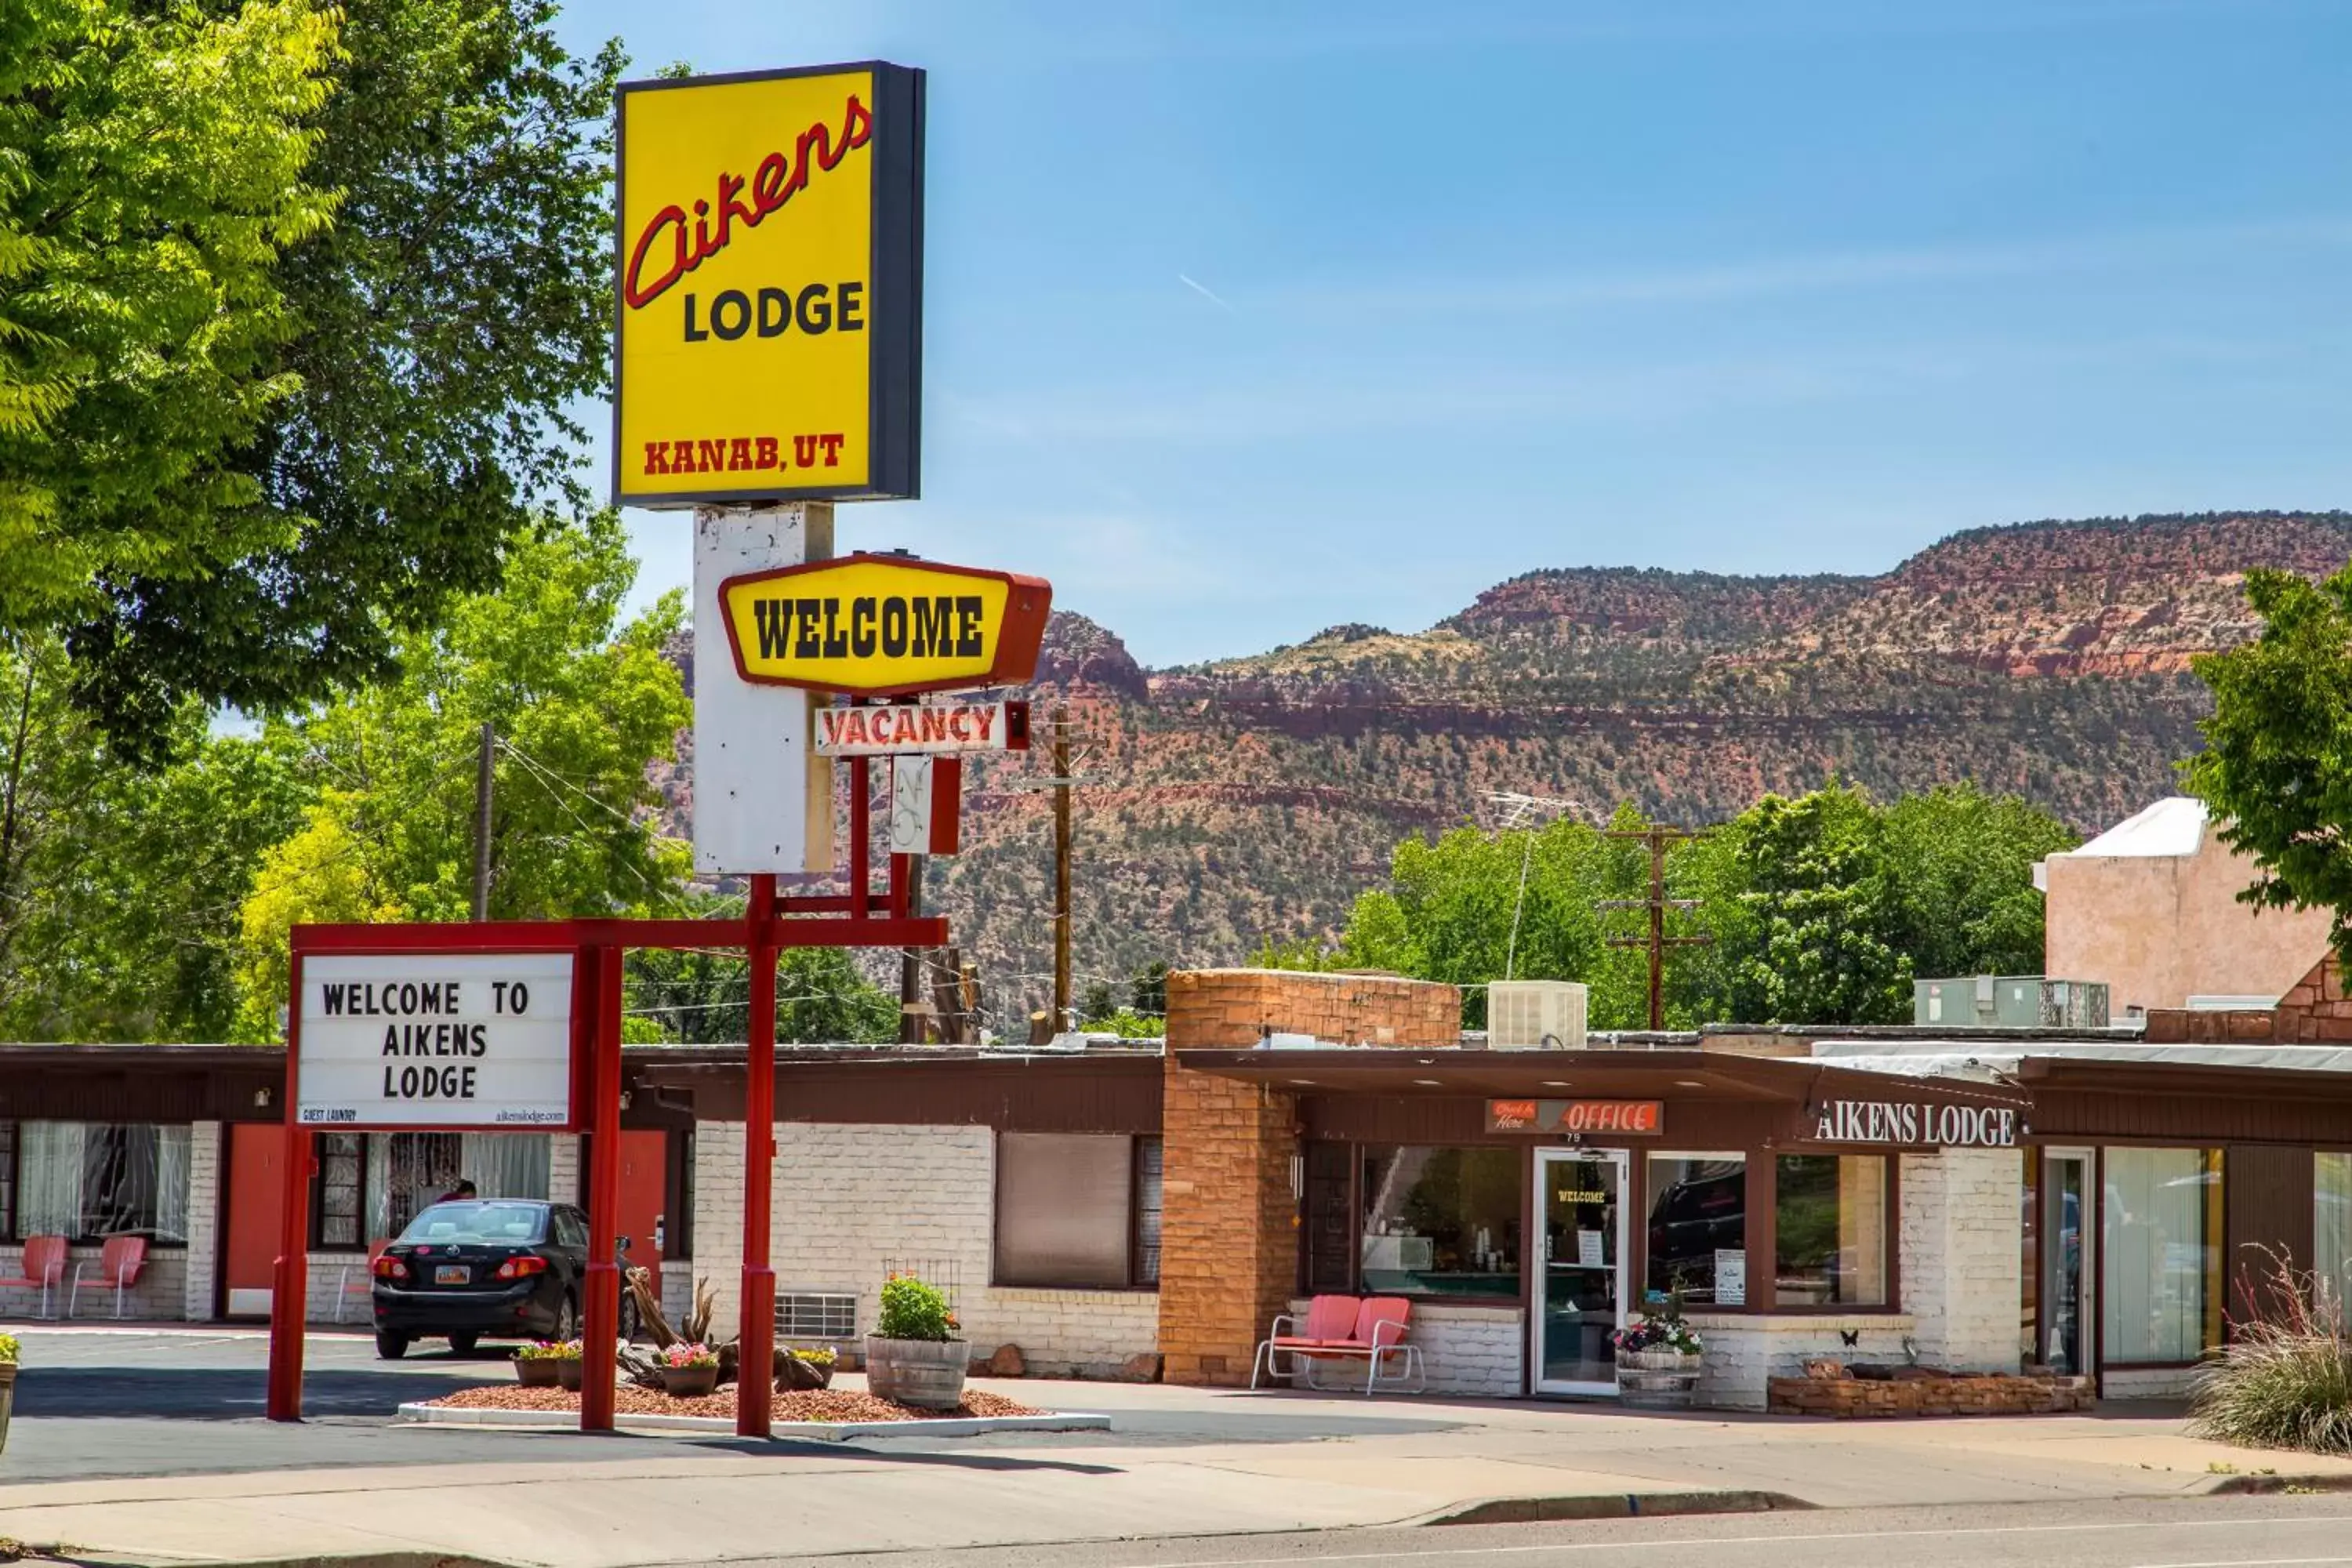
(1231, 800)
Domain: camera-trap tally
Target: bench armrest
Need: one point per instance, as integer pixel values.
(1385, 1323)
(1274, 1330)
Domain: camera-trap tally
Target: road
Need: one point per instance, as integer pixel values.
(2199, 1532)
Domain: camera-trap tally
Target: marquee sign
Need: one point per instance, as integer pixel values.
(451, 1039)
(930, 728)
(1638, 1117)
(1916, 1123)
(885, 625)
(768, 257)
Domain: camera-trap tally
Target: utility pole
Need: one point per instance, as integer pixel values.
(482, 822)
(1062, 783)
(1659, 840)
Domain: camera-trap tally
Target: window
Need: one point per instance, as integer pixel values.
(1698, 1229)
(337, 1225)
(2160, 1297)
(1077, 1210)
(86, 1181)
(403, 1173)
(1442, 1222)
(2331, 1222)
(1830, 1230)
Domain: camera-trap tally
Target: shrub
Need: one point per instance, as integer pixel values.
(2286, 1382)
(821, 1356)
(7, 1350)
(912, 1309)
(545, 1349)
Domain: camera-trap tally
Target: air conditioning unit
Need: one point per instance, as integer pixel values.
(1535, 1015)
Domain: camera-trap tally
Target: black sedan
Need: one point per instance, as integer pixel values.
(470, 1269)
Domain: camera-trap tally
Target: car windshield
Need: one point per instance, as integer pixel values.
(477, 1222)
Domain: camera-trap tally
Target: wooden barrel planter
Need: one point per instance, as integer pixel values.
(539, 1372)
(925, 1373)
(690, 1382)
(1657, 1380)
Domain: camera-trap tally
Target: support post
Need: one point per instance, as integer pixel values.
(1060, 870)
(755, 1334)
(861, 833)
(291, 1282)
(601, 1327)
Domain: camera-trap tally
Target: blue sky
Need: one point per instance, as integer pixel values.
(1243, 319)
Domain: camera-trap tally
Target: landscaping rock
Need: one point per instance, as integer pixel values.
(1142, 1368)
(1008, 1362)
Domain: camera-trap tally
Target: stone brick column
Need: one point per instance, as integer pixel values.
(1228, 1236)
(1961, 1257)
(563, 1169)
(203, 1221)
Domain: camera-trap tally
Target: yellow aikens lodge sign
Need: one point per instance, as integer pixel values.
(885, 625)
(770, 269)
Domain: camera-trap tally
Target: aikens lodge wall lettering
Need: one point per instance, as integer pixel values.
(1915, 1122)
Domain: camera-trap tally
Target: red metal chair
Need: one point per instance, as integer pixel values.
(119, 1263)
(343, 1292)
(1378, 1335)
(44, 1266)
(1331, 1321)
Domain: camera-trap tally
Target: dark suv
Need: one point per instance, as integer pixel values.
(471, 1269)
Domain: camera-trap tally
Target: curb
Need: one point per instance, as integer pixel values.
(2271, 1486)
(802, 1431)
(1614, 1505)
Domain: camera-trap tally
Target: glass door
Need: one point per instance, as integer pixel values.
(1580, 1297)
(2068, 1264)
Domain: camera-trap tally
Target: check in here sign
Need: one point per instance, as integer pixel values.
(436, 1041)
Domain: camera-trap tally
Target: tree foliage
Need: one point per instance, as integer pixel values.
(703, 997)
(154, 167)
(1822, 908)
(292, 301)
(2277, 769)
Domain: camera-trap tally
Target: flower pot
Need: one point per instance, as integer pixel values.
(8, 1397)
(1658, 1379)
(567, 1374)
(690, 1382)
(925, 1373)
(539, 1372)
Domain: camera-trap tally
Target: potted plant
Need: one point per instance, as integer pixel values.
(914, 1356)
(540, 1365)
(7, 1384)
(1658, 1357)
(807, 1370)
(567, 1364)
(689, 1370)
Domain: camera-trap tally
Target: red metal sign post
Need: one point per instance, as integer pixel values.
(859, 919)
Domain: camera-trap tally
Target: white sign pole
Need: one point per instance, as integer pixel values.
(754, 811)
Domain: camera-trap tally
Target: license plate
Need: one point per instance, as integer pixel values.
(452, 1274)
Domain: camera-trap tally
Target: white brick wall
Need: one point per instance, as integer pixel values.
(2147, 1383)
(1962, 1274)
(852, 1200)
(199, 1268)
(1477, 1350)
(563, 1169)
(1743, 1351)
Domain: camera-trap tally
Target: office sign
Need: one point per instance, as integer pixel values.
(885, 625)
(1642, 1117)
(1915, 1124)
(436, 1041)
(768, 256)
(931, 729)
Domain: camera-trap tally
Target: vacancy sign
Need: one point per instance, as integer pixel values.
(934, 729)
(436, 1041)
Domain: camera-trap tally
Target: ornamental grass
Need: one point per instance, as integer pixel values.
(2284, 1382)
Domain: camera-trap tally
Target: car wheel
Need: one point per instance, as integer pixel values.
(463, 1344)
(567, 1319)
(630, 1327)
(390, 1346)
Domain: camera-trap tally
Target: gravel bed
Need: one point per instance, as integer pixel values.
(822, 1404)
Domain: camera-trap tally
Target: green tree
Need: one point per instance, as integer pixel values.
(2276, 770)
(580, 705)
(119, 888)
(1147, 993)
(1097, 1003)
(1827, 916)
(402, 420)
(703, 997)
(154, 171)
(1962, 862)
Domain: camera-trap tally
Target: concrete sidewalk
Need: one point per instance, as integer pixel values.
(1178, 1462)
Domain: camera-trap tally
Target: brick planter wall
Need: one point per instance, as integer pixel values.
(1853, 1398)
(1229, 1008)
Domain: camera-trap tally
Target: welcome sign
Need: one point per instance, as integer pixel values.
(434, 1040)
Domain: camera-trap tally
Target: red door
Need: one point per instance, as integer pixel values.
(256, 1201)
(645, 1186)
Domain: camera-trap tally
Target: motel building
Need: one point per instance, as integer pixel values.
(2101, 1201)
